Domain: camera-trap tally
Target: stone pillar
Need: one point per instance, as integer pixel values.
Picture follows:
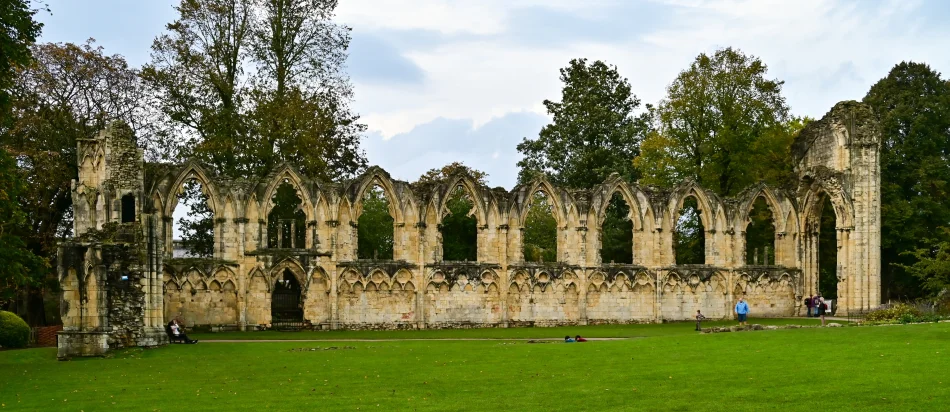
(334, 296)
(505, 254)
(240, 223)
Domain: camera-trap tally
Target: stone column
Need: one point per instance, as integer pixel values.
(242, 285)
(241, 222)
(582, 299)
(167, 234)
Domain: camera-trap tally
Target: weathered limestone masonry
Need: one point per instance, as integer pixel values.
(835, 157)
(111, 272)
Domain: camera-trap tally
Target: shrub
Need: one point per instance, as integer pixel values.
(900, 312)
(14, 332)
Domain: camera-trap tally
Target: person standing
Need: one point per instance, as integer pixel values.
(809, 301)
(742, 310)
(699, 320)
(822, 308)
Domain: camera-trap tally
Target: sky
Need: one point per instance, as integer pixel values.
(439, 81)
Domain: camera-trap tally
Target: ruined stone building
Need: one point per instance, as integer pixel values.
(121, 282)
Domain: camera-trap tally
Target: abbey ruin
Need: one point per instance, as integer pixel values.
(121, 282)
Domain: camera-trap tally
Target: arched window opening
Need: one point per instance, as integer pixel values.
(375, 230)
(286, 222)
(540, 230)
(689, 237)
(459, 228)
(828, 252)
(616, 236)
(286, 305)
(760, 234)
(128, 208)
(195, 228)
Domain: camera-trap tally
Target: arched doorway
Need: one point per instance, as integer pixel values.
(286, 303)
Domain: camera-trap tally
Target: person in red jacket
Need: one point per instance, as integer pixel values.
(579, 339)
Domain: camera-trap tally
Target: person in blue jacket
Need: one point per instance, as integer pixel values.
(742, 309)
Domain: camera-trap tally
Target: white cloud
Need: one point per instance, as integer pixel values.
(826, 51)
(445, 16)
(474, 62)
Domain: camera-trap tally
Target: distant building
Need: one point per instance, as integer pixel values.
(179, 250)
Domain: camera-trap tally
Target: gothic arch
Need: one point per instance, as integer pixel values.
(629, 196)
(287, 174)
(707, 205)
(295, 268)
(471, 188)
(812, 206)
(318, 279)
(558, 209)
(778, 215)
(376, 177)
(192, 170)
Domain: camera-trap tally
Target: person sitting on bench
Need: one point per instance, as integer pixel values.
(178, 333)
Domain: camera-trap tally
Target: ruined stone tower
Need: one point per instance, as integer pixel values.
(110, 272)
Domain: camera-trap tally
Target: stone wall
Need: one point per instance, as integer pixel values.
(835, 157)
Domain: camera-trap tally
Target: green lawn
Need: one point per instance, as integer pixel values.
(862, 368)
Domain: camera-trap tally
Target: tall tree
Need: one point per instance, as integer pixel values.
(595, 131)
(19, 32)
(196, 71)
(716, 116)
(22, 269)
(913, 104)
(301, 93)
(69, 92)
(293, 104)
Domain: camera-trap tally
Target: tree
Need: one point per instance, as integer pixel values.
(717, 116)
(375, 232)
(21, 268)
(932, 265)
(19, 32)
(69, 92)
(689, 236)
(594, 132)
(913, 105)
(301, 94)
(197, 227)
(540, 231)
(196, 72)
(293, 105)
(440, 175)
(616, 235)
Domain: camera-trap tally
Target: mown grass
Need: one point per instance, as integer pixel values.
(854, 368)
(599, 331)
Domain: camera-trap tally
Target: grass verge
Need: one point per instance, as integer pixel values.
(855, 368)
